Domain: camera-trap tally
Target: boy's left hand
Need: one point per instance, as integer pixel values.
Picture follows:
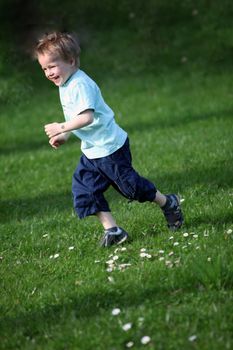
(53, 129)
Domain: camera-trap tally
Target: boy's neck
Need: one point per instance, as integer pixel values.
(74, 71)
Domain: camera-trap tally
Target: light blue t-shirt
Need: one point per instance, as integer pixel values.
(103, 136)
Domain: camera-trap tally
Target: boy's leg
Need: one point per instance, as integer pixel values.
(88, 186)
(160, 199)
(118, 168)
(106, 219)
(112, 233)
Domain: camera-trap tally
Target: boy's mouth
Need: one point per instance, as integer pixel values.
(55, 79)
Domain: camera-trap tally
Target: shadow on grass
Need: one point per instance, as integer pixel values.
(22, 146)
(21, 209)
(217, 220)
(29, 146)
(162, 123)
(87, 306)
(212, 179)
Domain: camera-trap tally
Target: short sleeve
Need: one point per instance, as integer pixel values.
(84, 97)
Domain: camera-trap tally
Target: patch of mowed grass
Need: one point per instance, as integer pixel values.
(56, 292)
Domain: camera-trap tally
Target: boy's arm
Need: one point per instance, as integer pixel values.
(83, 119)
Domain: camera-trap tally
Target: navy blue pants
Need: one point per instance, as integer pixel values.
(93, 177)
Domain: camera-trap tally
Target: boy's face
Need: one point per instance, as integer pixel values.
(55, 69)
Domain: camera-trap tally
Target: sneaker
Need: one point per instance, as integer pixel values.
(172, 212)
(114, 235)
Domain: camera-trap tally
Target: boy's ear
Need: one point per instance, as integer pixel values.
(72, 62)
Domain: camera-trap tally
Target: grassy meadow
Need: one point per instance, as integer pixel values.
(58, 287)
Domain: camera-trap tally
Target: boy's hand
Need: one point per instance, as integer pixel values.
(53, 129)
(57, 141)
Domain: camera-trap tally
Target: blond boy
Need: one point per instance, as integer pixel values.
(106, 158)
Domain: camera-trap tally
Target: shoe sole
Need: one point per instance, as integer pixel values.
(175, 227)
(122, 240)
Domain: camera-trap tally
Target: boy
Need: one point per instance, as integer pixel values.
(106, 158)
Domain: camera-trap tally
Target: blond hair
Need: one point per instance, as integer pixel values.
(64, 45)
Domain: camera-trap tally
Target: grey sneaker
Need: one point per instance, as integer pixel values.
(172, 212)
(114, 235)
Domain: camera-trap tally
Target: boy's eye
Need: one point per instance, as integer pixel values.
(49, 67)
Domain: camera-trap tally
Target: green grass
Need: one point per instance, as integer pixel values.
(179, 120)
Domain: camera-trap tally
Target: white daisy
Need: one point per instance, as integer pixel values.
(110, 262)
(145, 340)
(130, 344)
(192, 338)
(116, 311)
(127, 327)
(109, 269)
